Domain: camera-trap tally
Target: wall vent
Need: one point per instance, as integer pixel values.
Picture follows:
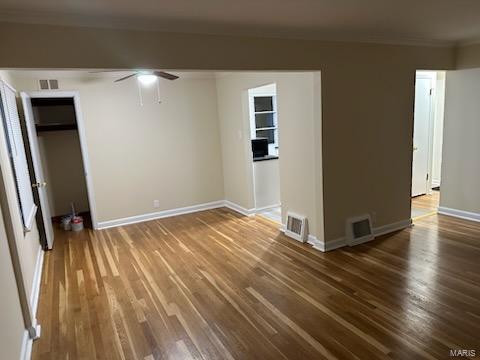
(51, 84)
(359, 230)
(296, 227)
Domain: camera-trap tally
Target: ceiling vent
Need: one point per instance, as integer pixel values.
(296, 227)
(359, 230)
(51, 84)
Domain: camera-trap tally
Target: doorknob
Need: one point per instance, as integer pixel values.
(39, 185)
(415, 148)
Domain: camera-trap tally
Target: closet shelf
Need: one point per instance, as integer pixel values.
(55, 127)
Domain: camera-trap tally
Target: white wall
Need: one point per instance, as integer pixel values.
(438, 128)
(168, 152)
(299, 140)
(461, 147)
(267, 183)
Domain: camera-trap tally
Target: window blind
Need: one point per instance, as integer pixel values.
(13, 131)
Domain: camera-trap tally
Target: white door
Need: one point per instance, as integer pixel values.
(40, 184)
(423, 86)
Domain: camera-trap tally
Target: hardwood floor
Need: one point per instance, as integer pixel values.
(215, 285)
(425, 205)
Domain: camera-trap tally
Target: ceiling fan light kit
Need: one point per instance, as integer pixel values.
(146, 78)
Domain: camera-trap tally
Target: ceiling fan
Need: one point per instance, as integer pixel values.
(143, 73)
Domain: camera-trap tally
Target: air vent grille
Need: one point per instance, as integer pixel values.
(296, 227)
(51, 84)
(359, 230)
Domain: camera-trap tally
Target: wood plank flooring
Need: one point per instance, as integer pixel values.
(216, 285)
(425, 205)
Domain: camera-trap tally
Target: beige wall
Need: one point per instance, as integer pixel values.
(297, 139)
(140, 153)
(468, 56)
(367, 96)
(62, 162)
(461, 166)
(12, 327)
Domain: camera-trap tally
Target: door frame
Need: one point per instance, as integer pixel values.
(83, 142)
(432, 76)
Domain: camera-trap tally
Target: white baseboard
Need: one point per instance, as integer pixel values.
(27, 342)
(342, 241)
(162, 214)
(389, 228)
(37, 280)
(238, 208)
(26, 349)
(266, 208)
(466, 215)
(435, 183)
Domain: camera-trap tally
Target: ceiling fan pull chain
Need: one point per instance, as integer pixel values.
(158, 91)
(140, 93)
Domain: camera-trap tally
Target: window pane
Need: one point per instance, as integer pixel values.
(263, 103)
(264, 120)
(269, 134)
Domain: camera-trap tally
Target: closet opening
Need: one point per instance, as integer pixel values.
(59, 162)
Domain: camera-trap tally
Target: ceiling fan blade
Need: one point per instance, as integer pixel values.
(165, 75)
(126, 77)
(106, 71)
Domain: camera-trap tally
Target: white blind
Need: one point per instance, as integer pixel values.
(13, 131)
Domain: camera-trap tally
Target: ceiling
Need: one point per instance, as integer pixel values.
(109, 74)
(409, 21)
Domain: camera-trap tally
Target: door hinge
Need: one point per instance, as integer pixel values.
(431, 92)
(427, 176)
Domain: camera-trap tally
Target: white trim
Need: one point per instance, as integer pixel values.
(31, 217)
(26, 349)
(82, 137)
(389, 228)
(342, 241)
(37, 280)
(265, 208)
(27, 342)
(161, 214)
(466, 215)
(238, 208)
(435, 183)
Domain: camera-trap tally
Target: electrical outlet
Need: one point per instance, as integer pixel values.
(156, 203)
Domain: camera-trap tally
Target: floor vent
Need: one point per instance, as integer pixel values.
(296, 227)
(359, 230)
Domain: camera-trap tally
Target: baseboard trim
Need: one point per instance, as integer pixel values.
(389, 228)
(461, 214)
(238, 208)
(161, 214)
(377, 231)
(37, 281)
(265, 208)
(26, 349)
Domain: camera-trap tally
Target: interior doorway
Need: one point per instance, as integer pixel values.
(427, 142)
(263, 117)
(59, 160)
